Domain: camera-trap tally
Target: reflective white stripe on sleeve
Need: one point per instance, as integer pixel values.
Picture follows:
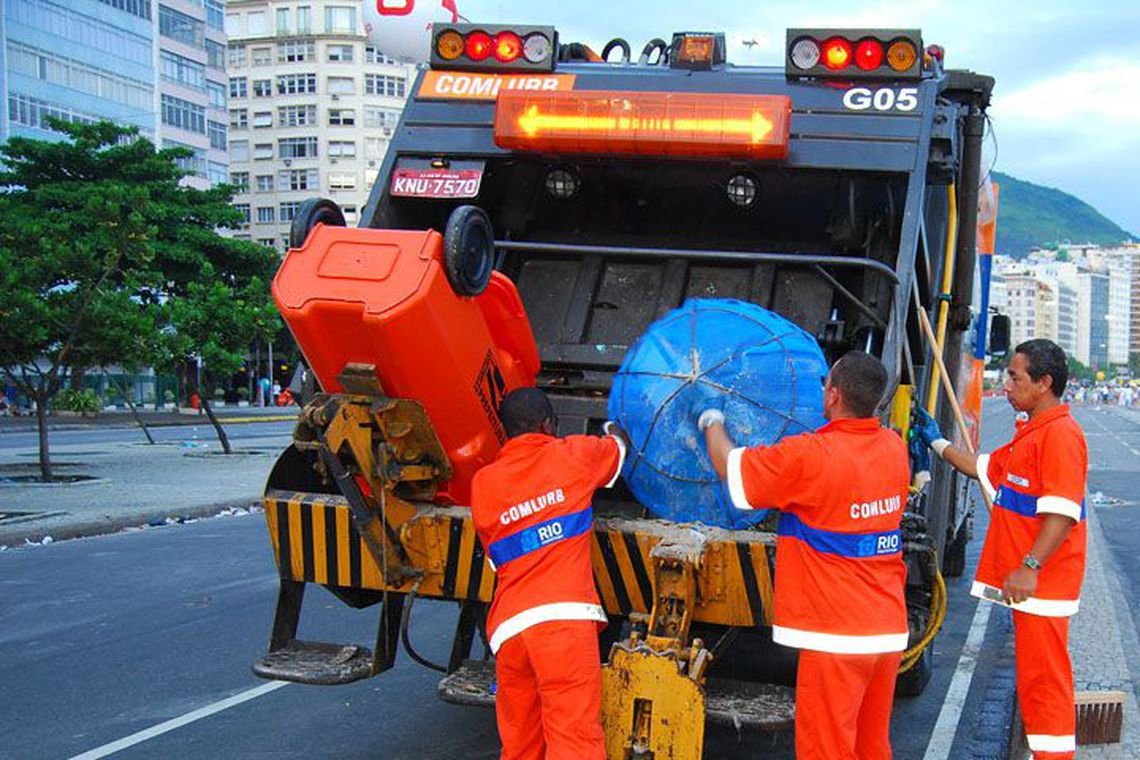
(544, 613)
(1032, 605)
(736, 479)
(620, 462)
(838, 643)
(1058, 505)
(983, 476)
(1047, 743)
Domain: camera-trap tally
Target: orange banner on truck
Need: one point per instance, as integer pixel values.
(470, 85)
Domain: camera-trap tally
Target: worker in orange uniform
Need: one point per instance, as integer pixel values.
(532, 511)
(840, 575)
(1033, 559)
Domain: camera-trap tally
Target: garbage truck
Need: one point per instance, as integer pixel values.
(540, 205)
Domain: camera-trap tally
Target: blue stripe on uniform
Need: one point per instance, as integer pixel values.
(540, 535)
(843, 544)
(1021, 503)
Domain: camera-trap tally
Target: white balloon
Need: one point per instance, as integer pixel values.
(402, 28)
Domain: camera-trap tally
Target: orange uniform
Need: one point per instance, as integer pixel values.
(1041, 471)
(840, 575)
(532, 511)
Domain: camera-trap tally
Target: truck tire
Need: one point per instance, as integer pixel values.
(468, 250)
(913, 682)
(311, 213)
(954, 561)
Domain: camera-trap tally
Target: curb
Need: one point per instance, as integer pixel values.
(17, 537)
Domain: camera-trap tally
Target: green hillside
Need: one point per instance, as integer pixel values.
(1031, 216)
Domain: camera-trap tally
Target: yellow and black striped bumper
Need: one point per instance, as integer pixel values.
(314, 541)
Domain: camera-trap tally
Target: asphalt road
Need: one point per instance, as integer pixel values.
(104, 638)
(203, 431)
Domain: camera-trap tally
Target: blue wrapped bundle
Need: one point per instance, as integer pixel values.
(765, 372)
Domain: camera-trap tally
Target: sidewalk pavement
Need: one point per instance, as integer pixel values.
(134, 483)
(123, 418)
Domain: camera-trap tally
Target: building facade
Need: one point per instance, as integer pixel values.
(157, 66)
(1092, 322)
(312, 107)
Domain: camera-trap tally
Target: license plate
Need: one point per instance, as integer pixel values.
(436, 183)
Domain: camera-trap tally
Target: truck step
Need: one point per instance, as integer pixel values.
(315, 662)
(758, 706)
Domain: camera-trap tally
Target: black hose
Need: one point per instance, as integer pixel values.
(405, 616)
(616, 42)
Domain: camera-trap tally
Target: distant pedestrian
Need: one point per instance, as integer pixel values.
(1033, 559)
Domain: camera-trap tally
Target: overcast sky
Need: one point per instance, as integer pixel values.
(1066, 106)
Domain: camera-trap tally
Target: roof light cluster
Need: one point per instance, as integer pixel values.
(854, 53)
(483, 47)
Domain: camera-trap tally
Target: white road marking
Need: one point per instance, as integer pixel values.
(942, 737)
(182, 720)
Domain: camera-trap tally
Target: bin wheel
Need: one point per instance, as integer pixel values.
(311, 213)
(468, 250)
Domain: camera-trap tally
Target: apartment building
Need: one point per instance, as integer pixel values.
(80, 61)
(158, 66)
(312, 106)
(192, 86)
(1092, 322)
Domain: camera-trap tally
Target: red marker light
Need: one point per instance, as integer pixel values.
(869, 55)
(836, 53)
(508, 47)
(479, 46)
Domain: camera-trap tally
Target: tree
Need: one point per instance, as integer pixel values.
(100, 241)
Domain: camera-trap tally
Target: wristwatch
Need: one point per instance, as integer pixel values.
(1031, 562)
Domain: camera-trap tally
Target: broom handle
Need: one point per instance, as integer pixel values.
(944, 376)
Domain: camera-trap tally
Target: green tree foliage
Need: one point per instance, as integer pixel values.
(105, 257)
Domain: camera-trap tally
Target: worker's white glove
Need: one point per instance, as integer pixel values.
(710, 417)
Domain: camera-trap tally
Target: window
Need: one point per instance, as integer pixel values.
(268, 242)
(372, 55)
(238, 87)
(188, 73)
(183, 114)
(236, 55)
(244, 209)
(296, 116)
(215, 14)
(77, 75)
(304, 20)
(297, 147)
(265, 183)
(262, 151)
(262, 56)
(375, 116)
(339, 53)
(255, 23)
(297, 179)
(217, 132)
(262, 119)
(266, 215)
(239, 118)
(216, 172)
(240, 180)
(349, 212)
(340, 181)
(215, 55)
(296, 84)
(262, 88)
(342, 117)
(340, 19)
(382, 84)
(195, 163)
(31, 112)
(289, 210)
(341, 85)
(375, 147)
(282, 20)
(295, 51)
(239, 151)
(341, 149)
(217, 92)
(179, 26)
(140, 8)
